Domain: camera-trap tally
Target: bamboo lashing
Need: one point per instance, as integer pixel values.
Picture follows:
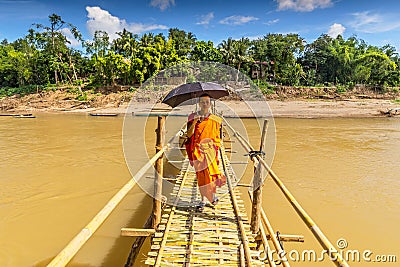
(322, 239)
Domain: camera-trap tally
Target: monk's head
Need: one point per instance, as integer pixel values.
(205, 102)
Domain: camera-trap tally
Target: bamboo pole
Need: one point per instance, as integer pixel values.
(160, 132)
(267, 250)
(319, 235)
(256, 200)
(137, 232)
(190, 246)
(171, 215)
(281, 253)
(244, 185)
(77, 242)
(288, 238)
(257, 187)
(245, 241)
(263, 135)
(242, 259)
(149, 223)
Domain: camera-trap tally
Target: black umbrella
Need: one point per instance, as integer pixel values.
(190, 91)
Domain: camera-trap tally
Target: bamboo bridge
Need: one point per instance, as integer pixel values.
(220, 235)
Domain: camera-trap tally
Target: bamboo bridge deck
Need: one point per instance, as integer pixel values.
(219, 235)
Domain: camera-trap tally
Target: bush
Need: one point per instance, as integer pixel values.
(265, 87)
(21, 91)
(341, 89)
(350, 85)
(82, 97)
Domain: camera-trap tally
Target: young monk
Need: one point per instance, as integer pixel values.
(202, 148)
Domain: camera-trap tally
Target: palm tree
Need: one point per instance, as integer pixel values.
(227, 51)
(241, 52)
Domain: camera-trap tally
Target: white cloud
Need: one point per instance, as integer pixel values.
(205, 19)
(362, 19)
(335, 30)
(303, 5)
(102, 20)
(70, 37)
(162, 4)
(237, 20)
(368, 22)
(270, 22)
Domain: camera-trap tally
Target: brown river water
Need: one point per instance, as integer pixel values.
(57, 171)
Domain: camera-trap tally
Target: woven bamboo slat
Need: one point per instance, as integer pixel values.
(186, 237)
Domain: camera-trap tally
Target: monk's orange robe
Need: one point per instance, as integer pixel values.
(202, 149)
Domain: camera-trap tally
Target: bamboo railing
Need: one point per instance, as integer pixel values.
(319, 235)
(69, 251)
(80, 239)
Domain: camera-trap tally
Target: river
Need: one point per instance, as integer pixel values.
(57, 171)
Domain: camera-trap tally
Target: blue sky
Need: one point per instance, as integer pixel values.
(376, 22)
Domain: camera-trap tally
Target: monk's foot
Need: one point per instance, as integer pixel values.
(200, 206)
(215, 201)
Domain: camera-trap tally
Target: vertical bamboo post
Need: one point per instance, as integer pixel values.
(263, 135)
(257, 187)
(156, 218)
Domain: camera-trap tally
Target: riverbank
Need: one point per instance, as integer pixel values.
(291, 107)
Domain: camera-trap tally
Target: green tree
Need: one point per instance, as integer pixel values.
(227, 50)
(350, 61)
(375, 68)
(16, 64)
(100, 44)
(53, 42)
(98, 49)
(282, 52)
(183, 41)
(241, 51)
(127, 44)
(205, 51)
